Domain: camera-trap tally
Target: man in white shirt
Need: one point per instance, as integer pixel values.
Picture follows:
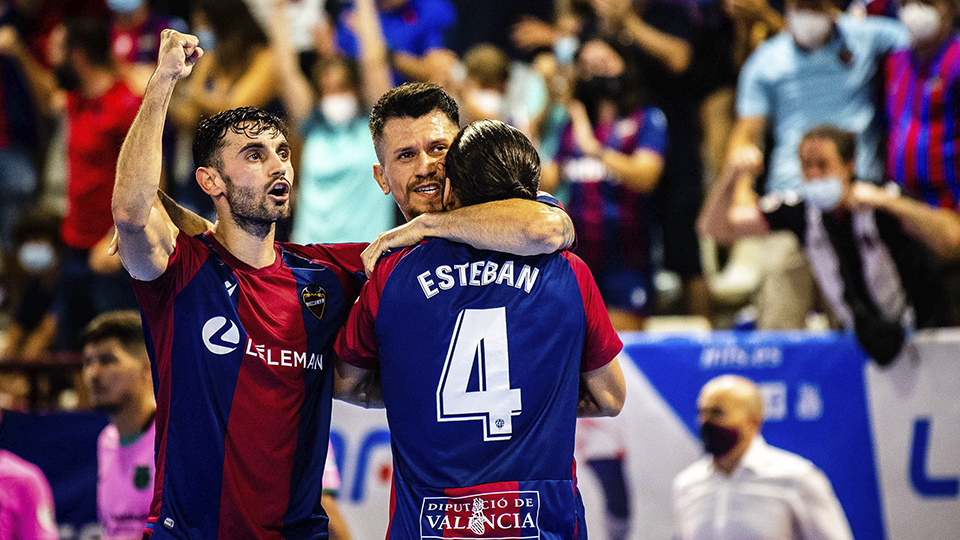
(745, 489)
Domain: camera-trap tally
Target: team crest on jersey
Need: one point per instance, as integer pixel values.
(314, 298)
(141, 477)
(500, 515)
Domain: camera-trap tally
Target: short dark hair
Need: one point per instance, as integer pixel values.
(491, 161)
(92, 36)
(410, 100)
(125, 326)
(844, 141)
(249, 121)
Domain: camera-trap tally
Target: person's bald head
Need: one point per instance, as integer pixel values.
(732, 402)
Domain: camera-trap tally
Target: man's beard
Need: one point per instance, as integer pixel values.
(251, 212)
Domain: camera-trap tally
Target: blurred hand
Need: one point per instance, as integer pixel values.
(531, 33)
(178, 54)
(582, 130)
(611, 10)
(9, 41)
(746, 10)
(746, 159)
(864, 196)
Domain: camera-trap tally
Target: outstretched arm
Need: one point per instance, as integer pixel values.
(602, 391)
(938, 228)
(146, 234)
(517, 226)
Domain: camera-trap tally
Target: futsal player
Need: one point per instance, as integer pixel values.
(484, 359)
(239, 327)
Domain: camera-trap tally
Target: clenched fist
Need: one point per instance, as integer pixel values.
(178, 54)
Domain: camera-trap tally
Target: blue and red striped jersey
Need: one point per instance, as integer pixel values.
(612, 221)
(923, 114)
(480, 355)
(241, 362)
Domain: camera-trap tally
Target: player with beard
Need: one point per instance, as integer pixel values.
(239, 327)
(116, 371)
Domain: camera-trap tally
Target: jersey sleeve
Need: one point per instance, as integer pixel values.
(601, 343)
(38, 520)
(357, 341)
(188, 256)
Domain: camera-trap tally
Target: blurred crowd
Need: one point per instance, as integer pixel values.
(742, 163)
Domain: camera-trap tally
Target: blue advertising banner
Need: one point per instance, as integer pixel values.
(814, 399)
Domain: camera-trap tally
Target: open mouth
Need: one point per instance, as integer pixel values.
(279, 190)
(428, 189)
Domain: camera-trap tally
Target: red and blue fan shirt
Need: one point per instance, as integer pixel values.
(612, 221)
(480, 355)
(242, 361)
(923, 117)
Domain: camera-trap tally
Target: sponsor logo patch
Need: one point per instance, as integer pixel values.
(503, 515)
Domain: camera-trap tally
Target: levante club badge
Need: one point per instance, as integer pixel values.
(314, 298)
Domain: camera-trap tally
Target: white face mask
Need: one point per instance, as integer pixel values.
(338, 109)
(36, 256)
(922, 21)
(823, 193)
(809, 29)
(489, 102)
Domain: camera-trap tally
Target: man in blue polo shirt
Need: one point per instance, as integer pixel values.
(819, 70)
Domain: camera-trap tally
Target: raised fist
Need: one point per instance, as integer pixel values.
(178, 54)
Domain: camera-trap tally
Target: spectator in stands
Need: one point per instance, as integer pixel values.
(335, 168)
(745, 488)
(18, 133)
(611, 155)
(923, 104)
(27, 511)
(820, 70)
(877, 280)
(136, 39)
(99, 108)
(33, 285)
(116, 372)
(240, 68)
(414, 31)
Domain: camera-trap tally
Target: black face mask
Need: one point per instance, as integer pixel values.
(718, 440)
(598, 88)
(67, 78)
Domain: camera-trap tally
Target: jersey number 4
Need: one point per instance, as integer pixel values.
(475, 383)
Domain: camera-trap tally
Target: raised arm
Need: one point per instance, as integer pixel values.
(722, 218)
(602, 391)
(146, 234)
(375, 77)
(295, 90)
(938, 228)
(518, 226)
(639, 171)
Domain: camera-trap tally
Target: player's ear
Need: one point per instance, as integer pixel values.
(450, 199)
(210, 181)
(381, 177)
